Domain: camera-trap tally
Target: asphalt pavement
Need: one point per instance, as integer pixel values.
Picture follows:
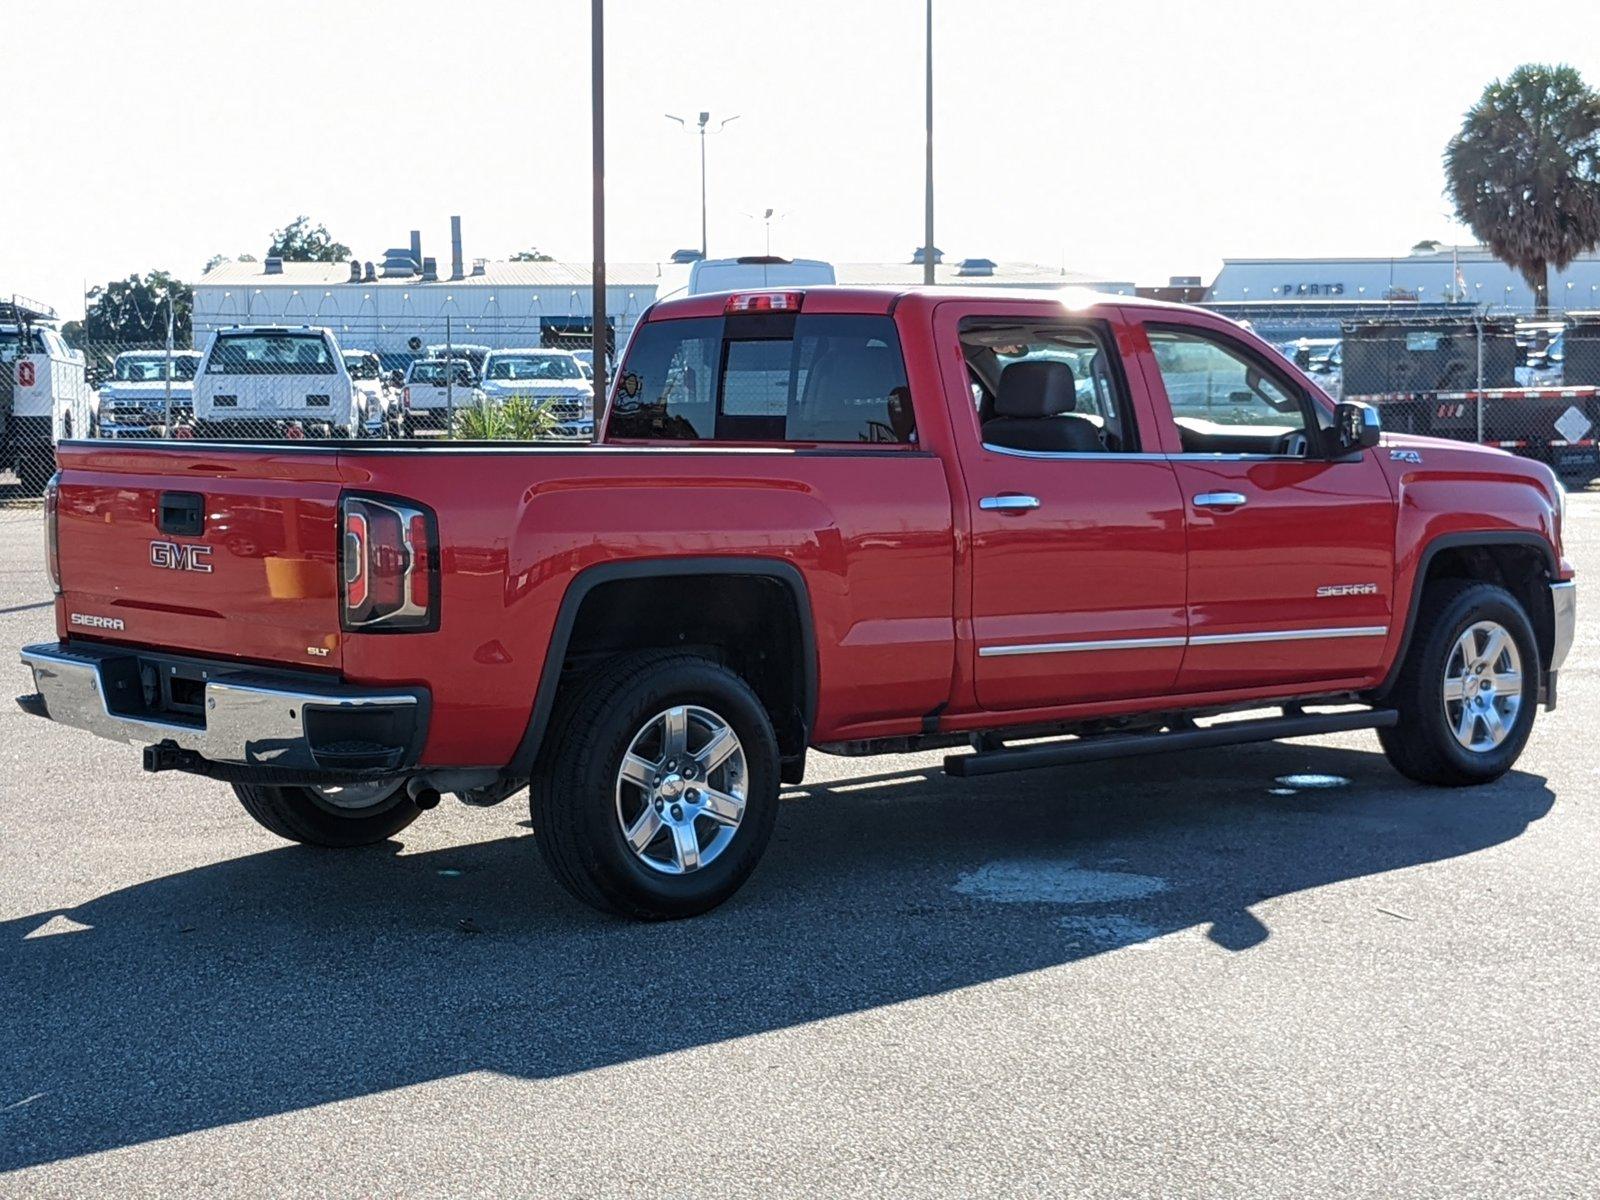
(1273, 971)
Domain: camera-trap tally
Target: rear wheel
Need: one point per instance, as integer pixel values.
(355, 814)
(1469, 688)
(659, 787)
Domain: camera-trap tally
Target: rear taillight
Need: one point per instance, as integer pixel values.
(52, 531)
(405, 395)
(389, 565)
(749, 302)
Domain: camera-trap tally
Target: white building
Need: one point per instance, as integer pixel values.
(493, 304)
(1469, 273)
(406, 303)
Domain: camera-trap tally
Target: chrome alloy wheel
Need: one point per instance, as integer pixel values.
(352, 798)
(1483, 686)
(681, 789)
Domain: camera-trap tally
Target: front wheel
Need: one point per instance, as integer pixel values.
(1469, 687)
(658, 788)
(354, 814)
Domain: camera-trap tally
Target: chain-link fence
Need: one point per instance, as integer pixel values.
(496, 379)
(1524, 382)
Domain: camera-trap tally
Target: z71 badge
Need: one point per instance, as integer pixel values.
(1405, 456)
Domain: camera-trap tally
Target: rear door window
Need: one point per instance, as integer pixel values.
(772, 378)
(271, 354)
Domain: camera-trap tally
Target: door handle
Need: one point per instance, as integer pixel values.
(1221, 500)
(1009, 502)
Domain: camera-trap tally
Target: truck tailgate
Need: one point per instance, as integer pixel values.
(226, 552)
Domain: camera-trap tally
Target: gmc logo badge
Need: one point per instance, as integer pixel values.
(177, 556)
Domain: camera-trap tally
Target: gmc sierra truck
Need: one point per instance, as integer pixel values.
(1045, 528)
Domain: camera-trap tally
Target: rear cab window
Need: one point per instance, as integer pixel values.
(765, 378)
(271, 354)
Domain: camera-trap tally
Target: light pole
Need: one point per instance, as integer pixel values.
(705, 120)
(598, 344)
(927, 182)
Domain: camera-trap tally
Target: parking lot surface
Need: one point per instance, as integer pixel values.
(1268, 971)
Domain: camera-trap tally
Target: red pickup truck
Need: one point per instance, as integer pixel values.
(1044, 528)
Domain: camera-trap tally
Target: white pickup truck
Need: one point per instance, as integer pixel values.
(378, 409)
(44, 393)
(271, 381)
(546, 376)
(132, 403)
(437, 387)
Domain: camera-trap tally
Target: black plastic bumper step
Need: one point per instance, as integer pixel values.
(1134, 745)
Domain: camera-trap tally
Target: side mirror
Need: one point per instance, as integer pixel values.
(1356, 426)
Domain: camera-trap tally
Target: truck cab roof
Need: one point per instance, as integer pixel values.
(840, 299)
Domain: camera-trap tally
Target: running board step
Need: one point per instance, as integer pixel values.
(1133, 745)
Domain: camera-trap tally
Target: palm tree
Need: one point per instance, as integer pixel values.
(1524, 172)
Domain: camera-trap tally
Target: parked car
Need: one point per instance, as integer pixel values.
(268, 381)
(379, 409)
(550, 377)
(44, 393)
(1047, 552)
(133, 401)
(435, 388)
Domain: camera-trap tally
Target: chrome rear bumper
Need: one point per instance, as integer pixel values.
(241, 716)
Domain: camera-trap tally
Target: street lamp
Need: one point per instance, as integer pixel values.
(705, 120)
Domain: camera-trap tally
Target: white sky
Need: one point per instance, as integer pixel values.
(1136, 139)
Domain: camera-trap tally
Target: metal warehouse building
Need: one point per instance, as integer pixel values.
(396, 314)
(1459, 273)
(406, 303)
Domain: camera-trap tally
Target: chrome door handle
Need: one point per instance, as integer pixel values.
(1009, 502)
(1220, 500)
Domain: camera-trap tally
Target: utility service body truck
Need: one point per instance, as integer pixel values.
(863, 521)
(44, 392)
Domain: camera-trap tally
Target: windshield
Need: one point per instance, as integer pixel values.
(153, 369)
(271, 354)
(533, 366)
(362, 366)
(435, 373)
(10, 339)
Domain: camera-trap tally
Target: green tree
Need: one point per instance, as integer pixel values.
(532, 254)
(135, 310)
(216, 260)
(1524, 172)
(301, 241)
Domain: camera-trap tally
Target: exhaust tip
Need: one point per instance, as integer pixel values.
(422, 795)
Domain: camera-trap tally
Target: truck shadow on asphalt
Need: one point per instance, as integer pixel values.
(292, 978)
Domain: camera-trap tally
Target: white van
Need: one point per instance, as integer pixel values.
(44, 394)
(272, 381)
(757, 271)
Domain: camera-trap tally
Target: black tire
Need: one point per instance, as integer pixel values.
(573, 796)
(300, 814)
(1423, 746)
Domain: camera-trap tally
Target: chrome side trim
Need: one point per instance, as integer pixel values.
(1150, 643)
(1205, 639)
(1564, 608)
(1289, 635)
(250, 718)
